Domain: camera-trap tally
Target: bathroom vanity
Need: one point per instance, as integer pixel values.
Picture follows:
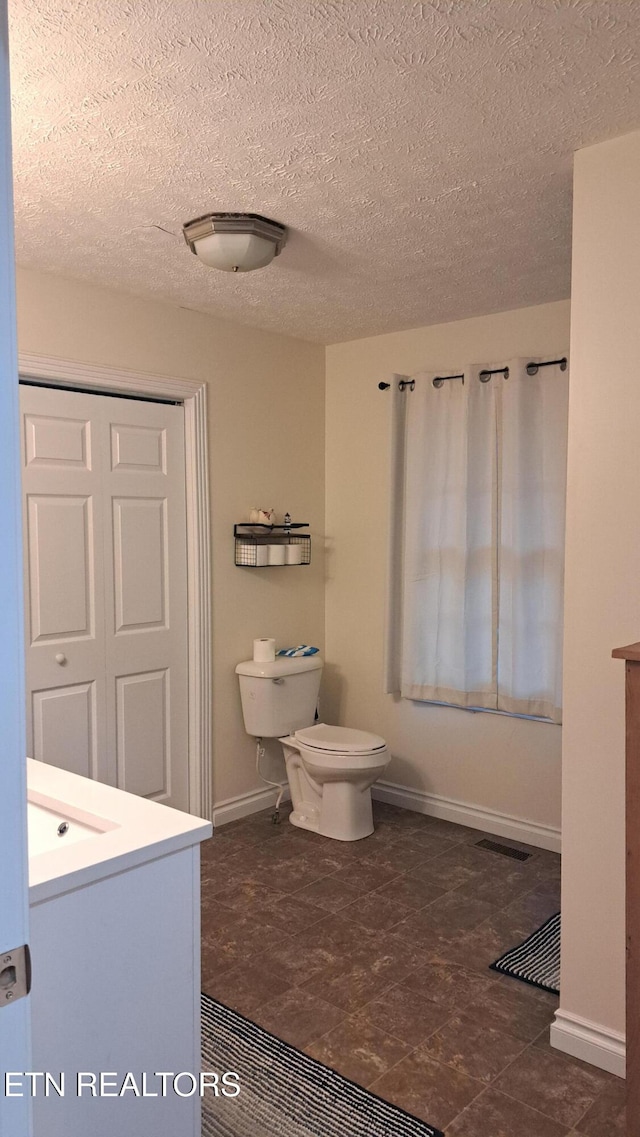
(114, 895)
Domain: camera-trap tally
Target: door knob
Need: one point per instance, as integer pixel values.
(61, 659)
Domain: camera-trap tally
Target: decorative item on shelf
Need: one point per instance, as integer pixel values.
(254, 516)
(266, 516)
(287, 518)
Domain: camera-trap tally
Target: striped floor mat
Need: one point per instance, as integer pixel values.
(537, 960)
(283, 1093)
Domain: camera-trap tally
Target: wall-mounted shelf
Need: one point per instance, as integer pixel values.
(255, 545)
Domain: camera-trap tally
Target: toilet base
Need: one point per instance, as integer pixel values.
(331, 794)
(346, 813)
(305, 818)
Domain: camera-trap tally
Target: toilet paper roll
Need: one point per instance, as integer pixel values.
(277, 554)
(293, 555)
(262, 554)
(264, 650)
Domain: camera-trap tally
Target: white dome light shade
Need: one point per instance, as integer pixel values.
(235, 252)
(235, 242)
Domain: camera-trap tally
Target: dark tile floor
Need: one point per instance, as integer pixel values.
(373, 958)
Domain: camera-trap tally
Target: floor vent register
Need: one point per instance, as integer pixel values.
(504, 850)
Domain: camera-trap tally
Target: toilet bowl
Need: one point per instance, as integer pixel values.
(331, 770)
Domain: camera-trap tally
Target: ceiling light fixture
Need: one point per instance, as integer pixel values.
(235, 242)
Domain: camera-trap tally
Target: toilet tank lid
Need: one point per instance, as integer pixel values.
(340, 739)
(286, 665)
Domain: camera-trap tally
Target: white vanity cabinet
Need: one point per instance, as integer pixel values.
(115, 947)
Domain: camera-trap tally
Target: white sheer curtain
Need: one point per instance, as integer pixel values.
(450, 577)
(484, 492)
(531, 493)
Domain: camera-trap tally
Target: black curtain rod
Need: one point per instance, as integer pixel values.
(484, 376)
(440, 379)
(532, 368)
(410, 383)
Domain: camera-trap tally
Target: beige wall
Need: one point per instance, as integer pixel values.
(266, 439)
(603, 572)
(495, 762)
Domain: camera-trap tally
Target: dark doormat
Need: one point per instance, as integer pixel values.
(537, 959)
(283, 1093)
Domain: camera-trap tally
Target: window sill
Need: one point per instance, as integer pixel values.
(485, 711)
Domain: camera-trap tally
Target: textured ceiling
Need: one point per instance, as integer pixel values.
(419, 152)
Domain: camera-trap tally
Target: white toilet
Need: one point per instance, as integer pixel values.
(330, 768)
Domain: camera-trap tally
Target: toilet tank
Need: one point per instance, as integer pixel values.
(279, 697)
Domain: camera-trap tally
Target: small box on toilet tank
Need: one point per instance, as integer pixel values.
(286, 702)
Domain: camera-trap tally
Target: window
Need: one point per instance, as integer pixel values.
(483, 541)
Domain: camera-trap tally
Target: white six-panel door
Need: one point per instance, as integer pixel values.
(105, 579)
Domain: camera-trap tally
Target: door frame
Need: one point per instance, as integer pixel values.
(15, 1041)
(193, 395)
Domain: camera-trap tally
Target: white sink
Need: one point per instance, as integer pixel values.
(108, 830)
(50, 825)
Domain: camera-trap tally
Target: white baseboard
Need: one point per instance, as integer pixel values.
(233, 808)
(463, 813)
(589, 1041)
(475, 816)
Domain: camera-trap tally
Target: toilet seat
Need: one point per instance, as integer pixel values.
(318, 761)
(339, 740)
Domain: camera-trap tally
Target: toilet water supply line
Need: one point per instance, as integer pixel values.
(260, 753)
